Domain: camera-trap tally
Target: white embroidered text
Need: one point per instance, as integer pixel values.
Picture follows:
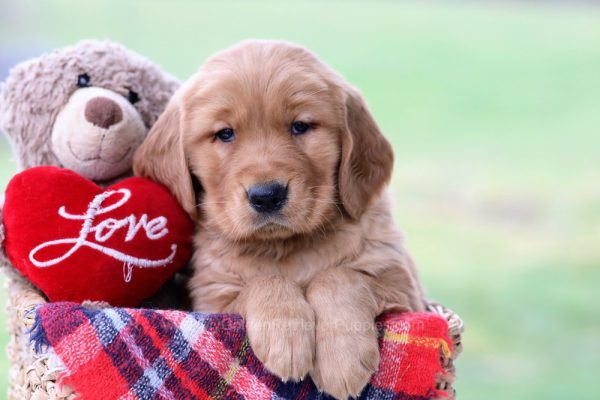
(154, 229)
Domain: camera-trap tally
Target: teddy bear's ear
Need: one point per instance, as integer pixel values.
(24, 97)
(161, 158)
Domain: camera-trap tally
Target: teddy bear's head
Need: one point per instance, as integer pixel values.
(86, 107)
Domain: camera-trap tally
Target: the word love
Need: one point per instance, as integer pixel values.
(94, 236)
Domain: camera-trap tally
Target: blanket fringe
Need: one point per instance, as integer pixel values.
(37, 333)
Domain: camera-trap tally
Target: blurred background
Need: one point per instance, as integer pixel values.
(494, 112)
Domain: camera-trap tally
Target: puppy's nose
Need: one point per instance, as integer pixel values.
(267, 197)
(103, 112)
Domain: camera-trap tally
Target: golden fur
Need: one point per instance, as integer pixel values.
(311, 279)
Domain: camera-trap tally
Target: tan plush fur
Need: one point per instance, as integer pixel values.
(311, 279)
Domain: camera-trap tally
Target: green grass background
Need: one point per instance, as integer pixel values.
(494, 112)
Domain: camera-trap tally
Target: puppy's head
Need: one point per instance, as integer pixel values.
(279, 143)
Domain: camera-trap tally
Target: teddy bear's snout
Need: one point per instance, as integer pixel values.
(97, 132)
(103, 112)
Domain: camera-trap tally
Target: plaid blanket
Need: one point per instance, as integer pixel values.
(117, 353)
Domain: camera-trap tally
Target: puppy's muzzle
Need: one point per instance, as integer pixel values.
(267, 197)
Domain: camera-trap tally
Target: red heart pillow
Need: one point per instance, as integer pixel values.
(76, 241)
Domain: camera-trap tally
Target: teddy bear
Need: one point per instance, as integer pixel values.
(85, 107)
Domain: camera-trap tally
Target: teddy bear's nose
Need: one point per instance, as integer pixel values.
(103, 112)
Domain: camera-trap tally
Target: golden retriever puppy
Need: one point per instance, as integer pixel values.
(282, 166)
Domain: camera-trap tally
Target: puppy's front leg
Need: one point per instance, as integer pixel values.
(347, 352)
(280, 325)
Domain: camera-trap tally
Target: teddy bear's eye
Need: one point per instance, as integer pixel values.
(83, 80)
(133, 97)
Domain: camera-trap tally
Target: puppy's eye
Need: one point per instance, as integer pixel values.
(225, 135)
(133, 97)
(83, 80)
(299, 128)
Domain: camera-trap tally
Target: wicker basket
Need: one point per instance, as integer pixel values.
(33, 376)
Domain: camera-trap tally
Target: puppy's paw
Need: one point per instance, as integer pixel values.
(345, 363)
(283, 338)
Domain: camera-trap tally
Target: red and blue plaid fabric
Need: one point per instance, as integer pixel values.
(117, 353)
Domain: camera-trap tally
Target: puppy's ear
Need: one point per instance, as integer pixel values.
(162, 159)
(367, 158)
